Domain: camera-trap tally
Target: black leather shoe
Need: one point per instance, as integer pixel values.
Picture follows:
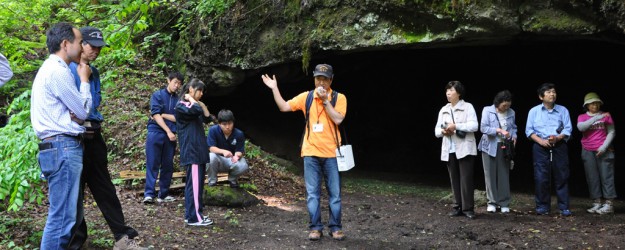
(456, 212)
(234, 184)
(470, 214)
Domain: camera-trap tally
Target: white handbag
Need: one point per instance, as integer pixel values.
(345, 157)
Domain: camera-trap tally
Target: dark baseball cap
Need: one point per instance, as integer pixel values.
(92, 36)
(323, 70)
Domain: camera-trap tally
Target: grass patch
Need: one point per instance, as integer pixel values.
(378, 187)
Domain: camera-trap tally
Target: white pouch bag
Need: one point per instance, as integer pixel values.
(345, 158)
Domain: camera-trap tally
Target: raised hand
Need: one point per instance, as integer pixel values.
(270, 82)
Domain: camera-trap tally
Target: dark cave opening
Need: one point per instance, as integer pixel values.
(394, 97)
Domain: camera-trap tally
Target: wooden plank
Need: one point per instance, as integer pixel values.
(140, 175)
(129, 175)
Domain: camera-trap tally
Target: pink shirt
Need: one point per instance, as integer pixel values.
(594, 136)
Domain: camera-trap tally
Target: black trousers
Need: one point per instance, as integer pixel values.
(95, 174)
(462, 184)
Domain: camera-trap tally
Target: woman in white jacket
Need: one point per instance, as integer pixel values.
(456, 124)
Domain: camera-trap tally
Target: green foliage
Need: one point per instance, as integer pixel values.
(249, 187)
(22, 35)
(231, 217)
(22, 39)
(292, 9)
(372, 186)
(100, 238)
(19, 171)
(128, 29)
(10, 221)
(213, 8)
(251, 150)
(162, 51)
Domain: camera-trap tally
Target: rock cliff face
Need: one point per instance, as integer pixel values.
(392, 59)
(258, 33)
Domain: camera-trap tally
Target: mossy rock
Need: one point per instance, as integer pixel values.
(229, 197)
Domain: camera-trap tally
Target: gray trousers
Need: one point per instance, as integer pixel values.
(218, 164)
(497, 178)
(599, 174)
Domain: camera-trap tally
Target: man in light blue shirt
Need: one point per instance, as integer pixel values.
(56, 111)
(549, 126)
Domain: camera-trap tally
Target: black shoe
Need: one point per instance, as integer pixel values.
(212, 184)
(456, 212)
(234, 184)
(470, 214)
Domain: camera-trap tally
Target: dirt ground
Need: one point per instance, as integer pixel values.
(378, 213)
(370, 221)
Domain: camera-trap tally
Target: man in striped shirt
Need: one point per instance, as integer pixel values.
(57, 109)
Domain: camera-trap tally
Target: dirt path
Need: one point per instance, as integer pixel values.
(371, 222)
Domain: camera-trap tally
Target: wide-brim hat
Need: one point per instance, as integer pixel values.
(590, 98)
(93, 36)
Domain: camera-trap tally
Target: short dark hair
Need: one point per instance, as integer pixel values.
(59, 32)
(502, 96)
(176, 75)
(225, 115)
(544, 87)
(457, 85)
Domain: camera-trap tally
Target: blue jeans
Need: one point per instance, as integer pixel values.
(316, 168)
(61, 166)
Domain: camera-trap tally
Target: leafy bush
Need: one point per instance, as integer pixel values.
(19, 171)
(131, 28)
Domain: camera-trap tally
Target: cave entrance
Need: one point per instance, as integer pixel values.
(394, 97)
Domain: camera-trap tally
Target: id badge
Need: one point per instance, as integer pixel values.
(318, 128)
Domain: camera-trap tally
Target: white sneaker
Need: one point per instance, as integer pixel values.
(204, 218)
(148, 199)
(169, 198)
(505, 210)
(605, 209)
(205, 222)
(491, 208)
(594, 208)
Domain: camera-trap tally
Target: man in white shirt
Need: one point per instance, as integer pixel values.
(57, 109)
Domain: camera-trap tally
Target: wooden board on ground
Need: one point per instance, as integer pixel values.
(128, 176)
(140, 175)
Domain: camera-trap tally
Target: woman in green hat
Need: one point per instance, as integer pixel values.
(597, 129)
